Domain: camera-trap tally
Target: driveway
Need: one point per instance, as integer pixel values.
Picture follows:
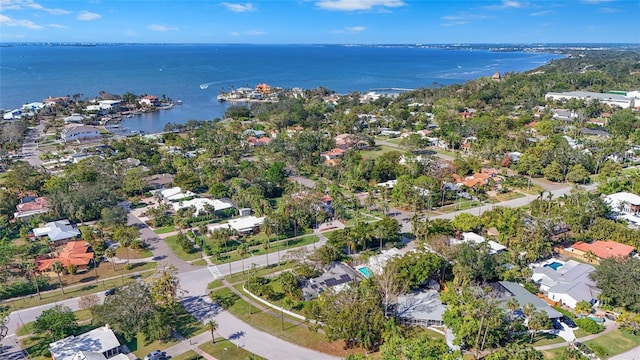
(159, 248)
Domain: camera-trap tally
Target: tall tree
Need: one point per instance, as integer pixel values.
(58, 268)
(212, 326)
(57, 322)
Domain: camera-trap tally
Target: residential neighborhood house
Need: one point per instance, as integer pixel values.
(97, 344)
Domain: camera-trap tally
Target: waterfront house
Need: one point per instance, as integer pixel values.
(97, 344)
(149, 100)
(76, 253)
(80, 132)
(58, 100)
(109, 104)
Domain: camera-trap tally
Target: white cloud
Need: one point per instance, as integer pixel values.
(88, 16)
(507, 4)
(355, 5)
(454, 23)
(159, 27)
(29, 4)
(608, 10)
(239, 8)
(58, 26)
(541, 13)
(248, 33)
(7, 21)
(350, 29)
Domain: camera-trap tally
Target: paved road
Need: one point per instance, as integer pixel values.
(194, 279)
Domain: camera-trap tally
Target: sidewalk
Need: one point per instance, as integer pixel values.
(192, 344)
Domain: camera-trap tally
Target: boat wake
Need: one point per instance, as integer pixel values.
(205, 86)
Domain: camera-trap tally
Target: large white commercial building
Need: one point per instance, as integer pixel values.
(622, 101)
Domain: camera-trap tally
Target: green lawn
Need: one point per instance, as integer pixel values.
(509, 196)
(226, 350)
(372, 154)
(553, 353)
(188, 326)
(90, 288)
(296, 333)
(240, 277)
(200, 262)
(613, 343)
(172, 242)
(27, 329)
(164, 230)
(259, 250)
(189, 355)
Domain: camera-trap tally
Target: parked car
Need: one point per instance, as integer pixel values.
(110, 292)
(157, 355)
(565, 319)
(557, 325)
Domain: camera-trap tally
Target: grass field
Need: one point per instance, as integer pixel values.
(189, 355)
(613, 343)
(259, 250)
(89, 288)
(296, 333)
(172, 242)
(164, 230)
(226, 350)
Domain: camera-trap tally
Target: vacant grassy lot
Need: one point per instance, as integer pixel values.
(224, 349)
(613, 343)
(172, 242)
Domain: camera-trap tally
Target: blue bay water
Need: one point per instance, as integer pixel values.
(33, 73)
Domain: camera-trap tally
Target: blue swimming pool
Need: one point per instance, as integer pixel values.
(365, 271)
(554, 265)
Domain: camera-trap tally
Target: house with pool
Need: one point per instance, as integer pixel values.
(566, 282)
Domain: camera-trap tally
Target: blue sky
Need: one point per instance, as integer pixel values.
(320, 21)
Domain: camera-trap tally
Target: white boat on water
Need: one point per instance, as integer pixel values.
(222, 98)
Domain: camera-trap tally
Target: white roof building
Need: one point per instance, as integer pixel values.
(97, 344)
(80, 132)
(174, 194)
(623, 202)
(57, 230)
(609, 99)
(567, 282)
(471, 237)
(201, 203)
(243, 224)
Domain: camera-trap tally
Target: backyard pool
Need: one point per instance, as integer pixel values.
(365, 271)
(554, 265)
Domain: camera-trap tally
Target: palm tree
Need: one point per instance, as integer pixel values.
(212, 326)
(58, 268)
(242, 250)
(30, 268)
(125, 235)
(111, 254)
(265, 245)
(590, 256)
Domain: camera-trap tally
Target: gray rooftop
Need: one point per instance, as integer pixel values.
(424, 305)
(525, 297)
(91, 344)
(335, 274)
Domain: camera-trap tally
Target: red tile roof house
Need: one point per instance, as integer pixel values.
(77, 253)
(31, 205)
(254, 141)
(602, 250)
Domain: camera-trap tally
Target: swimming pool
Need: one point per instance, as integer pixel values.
(365, 271)
(554, 265)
